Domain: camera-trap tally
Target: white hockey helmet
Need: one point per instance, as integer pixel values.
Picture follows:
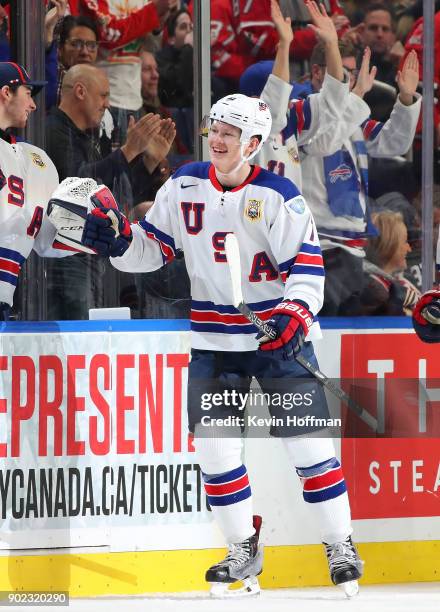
(251, 115)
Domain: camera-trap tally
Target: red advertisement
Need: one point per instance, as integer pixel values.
(397, 473)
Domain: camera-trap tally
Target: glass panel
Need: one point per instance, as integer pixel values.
(347, 202)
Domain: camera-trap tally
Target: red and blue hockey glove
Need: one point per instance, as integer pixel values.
(107, 231)
(426, 316)
(292, 321)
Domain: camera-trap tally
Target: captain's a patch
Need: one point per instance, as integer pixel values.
(254, 210)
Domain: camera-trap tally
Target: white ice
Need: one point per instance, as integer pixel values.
(415, 597)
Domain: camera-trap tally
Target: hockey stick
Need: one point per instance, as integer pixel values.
(233, 257)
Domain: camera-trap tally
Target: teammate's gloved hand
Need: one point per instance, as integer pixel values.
(107, 231)
(292, 321)
(5, 311)
(426, 316)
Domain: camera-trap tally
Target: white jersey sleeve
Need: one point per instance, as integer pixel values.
(318, 113)
(326, 142)
(294, 242)
(276, 94)
(395, 136)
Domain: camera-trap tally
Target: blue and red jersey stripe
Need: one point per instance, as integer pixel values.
(166, 242)
(225, 318)
(371, 128)
(10, 265)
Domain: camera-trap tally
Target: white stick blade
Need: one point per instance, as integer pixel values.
(233, 256)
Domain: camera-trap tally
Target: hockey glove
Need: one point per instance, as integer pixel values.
(107, 231)
(426, 316)
(292, 321)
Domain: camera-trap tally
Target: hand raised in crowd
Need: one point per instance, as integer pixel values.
(282, 24)
(51, 19)
(408, 78)
(322, 25)
(159, 144)
(139, 134)
(366, 76)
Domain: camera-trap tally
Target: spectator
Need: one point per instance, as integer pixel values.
(296, 121)
(415, 42)
(127, 171)
(152, 103)
(122, 25)
(242, 33)
(77, 44)
(336, 185)
(175, 64)
(150, 81)
(386, 291)
(378, 33)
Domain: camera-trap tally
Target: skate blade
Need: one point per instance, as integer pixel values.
(222, 590)
(350, 588)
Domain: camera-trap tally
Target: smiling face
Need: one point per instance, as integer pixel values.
(19, 104)
(224, 146)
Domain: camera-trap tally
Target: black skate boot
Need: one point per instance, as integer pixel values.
(243, 563)
(345, 565)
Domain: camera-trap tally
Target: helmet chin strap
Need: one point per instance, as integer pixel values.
(243, 159)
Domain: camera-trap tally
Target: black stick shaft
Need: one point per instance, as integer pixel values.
(271, 333)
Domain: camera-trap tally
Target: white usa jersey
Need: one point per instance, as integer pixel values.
(27, 180)
(280, 252)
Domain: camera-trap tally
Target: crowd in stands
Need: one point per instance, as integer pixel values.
(344, 86)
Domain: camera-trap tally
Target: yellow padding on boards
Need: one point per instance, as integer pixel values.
(183, 570)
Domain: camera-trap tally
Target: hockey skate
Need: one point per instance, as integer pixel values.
(345, 566)
(243, 563)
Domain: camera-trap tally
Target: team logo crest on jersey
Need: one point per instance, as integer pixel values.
(254, 210)
(262, 106)
(37, 160)
(297, 205)
(342, 172)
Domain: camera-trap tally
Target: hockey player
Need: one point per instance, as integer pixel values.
(27, 180)
(283, 280)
